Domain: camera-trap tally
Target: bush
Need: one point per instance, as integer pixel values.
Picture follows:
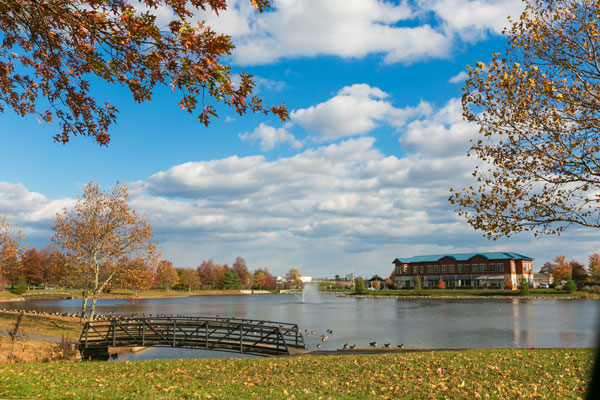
(418, 284)
(359, 287)
(20, 287)
(524, 287)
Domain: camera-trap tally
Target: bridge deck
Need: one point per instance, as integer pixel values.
(210, 333)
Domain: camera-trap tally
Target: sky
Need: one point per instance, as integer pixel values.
(358, 176)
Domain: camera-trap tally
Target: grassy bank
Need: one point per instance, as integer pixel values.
(46, 325)
(533, 293)
(496, 374)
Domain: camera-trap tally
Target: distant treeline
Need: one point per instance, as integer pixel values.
(50, 268)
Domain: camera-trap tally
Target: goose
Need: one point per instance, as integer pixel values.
(330, 331)
(373, 344)
(319, 346)
(346, 347)
(352, 347)
(324, 337)
(401, 346)
(386, 345)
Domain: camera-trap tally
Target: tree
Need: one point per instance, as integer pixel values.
(293, 278)
(269, 282)
(53, 49)
(54, 266)
(547, 268)
(508, 283)
(231, 280)
(240, 268)
(166, 276)
(441, 284)
(188, 279)
(258, 279)
(594, 267)
(32, 265)
(10, 249)
(207, 274)
(578, 272)
(97, 232)
(570, 286)
(418, 284)
(524, 287)
(538, 115)
(359, 286)
(562, 269)
(134, 275)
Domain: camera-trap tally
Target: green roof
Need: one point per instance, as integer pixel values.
(495, 255)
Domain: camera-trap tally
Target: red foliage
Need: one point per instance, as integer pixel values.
(441, 284)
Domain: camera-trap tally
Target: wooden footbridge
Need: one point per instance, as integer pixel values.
(210, 333)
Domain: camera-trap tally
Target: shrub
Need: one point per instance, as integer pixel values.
(20, 287)
(524, 287)
(359, 287)
(418, 284)
(570, 286)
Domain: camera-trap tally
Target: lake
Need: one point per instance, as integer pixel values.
(416, 323)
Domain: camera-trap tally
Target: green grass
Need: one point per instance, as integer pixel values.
(551, 293)
(42, 325)
(495, 374)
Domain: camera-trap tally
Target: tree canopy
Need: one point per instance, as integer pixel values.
(538, 109)
(52, 51)
(98, 233)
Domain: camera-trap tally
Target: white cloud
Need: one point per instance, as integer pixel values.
(400, 31)
(472, 19)
(270, 137)
(354, 110)
(460, 77)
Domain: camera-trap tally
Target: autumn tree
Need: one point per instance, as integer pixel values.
(134, 275)
(32, 264)
(594, 267)
(99, 231)
(258, 279)
(10, 249)
(166, 276)
(578, 272)
(207, 273)
(547, 268)
(54, 266)
(293, 278)
(240, 268)
(562, 269)
(538, 111)
(441, 284)
(52, 50)
(187, 279)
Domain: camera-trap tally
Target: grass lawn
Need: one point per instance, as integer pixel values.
(550, 293)
(469, 374)
(43, 325)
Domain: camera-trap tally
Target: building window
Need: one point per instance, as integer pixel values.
(459, 268)
(492, 267)
(444, 269)
(416, 269)
(451, 269)
(482, 268)
(422, 268)
(436, 269)
(465, 268)
(406, 269)
(474, 267)
(430, 269)
(499, 267)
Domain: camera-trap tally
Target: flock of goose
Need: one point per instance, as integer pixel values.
(324, 337)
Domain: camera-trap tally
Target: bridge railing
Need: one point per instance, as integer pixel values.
(211, 333)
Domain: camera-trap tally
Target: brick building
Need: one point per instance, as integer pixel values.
(468, 270)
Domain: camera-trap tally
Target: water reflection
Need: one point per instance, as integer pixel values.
(427, 323)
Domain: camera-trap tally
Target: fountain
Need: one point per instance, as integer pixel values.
(310, 293)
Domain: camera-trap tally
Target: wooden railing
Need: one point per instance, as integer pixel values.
(210, 333)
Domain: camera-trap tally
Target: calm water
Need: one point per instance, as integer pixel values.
(429, 323)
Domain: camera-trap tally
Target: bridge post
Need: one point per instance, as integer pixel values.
(114, 328)
(241, 335)
(143, 331)
(174, 326)
(206, 335)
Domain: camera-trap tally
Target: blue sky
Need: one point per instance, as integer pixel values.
(360, 175)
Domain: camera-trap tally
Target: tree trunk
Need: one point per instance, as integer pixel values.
(84, 294)
(93, 306)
